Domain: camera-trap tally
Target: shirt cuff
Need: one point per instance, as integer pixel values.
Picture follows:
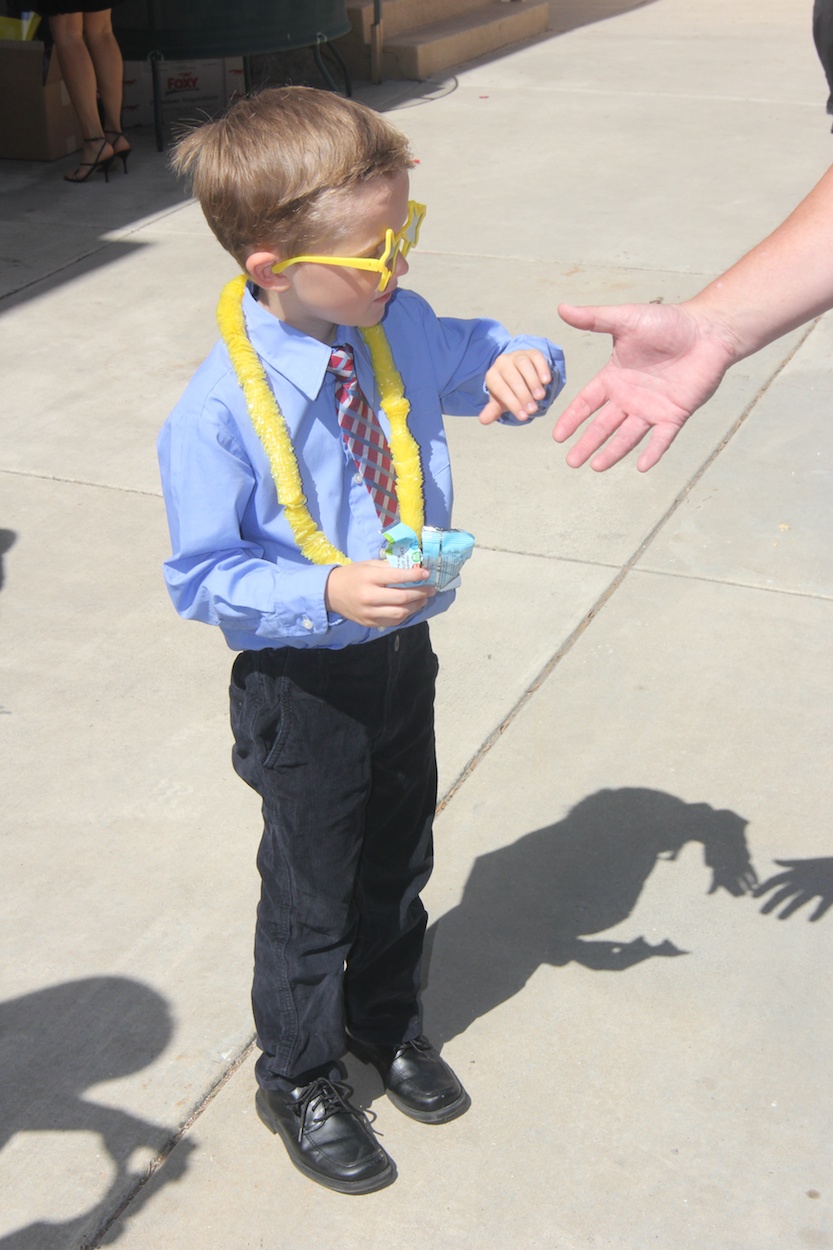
(304, 612)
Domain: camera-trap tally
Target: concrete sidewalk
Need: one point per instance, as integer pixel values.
(634, 703)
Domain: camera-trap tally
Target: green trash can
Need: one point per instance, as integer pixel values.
(185, 30)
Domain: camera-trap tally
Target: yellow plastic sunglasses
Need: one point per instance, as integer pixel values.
(396, 244)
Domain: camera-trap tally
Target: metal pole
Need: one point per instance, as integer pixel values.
(377, 43)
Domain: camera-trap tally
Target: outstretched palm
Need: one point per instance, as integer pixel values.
(665, 364)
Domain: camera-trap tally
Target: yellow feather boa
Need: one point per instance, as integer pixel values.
(270, 427)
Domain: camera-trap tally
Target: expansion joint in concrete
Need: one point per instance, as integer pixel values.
(617, 581)
(95, 1239)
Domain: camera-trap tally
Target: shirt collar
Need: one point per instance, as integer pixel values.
(300, 359)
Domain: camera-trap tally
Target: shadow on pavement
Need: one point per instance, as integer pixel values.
(7, 541)
(802, 882)
(54, 1044)
(47, 225)
(536, 901)
(52, 231)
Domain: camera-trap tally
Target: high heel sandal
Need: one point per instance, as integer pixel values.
(122, 156)
(92, 166)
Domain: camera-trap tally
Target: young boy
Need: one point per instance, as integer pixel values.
(276, 518)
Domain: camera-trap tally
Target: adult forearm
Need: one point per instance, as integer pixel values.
(785, 280)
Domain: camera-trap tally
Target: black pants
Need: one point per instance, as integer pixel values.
(340, 747)
(823, 39)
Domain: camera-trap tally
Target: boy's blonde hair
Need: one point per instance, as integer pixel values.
(269, 173)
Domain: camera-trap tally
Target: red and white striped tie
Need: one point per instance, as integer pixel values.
(364, 437)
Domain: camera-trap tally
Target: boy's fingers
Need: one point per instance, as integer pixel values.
(515, 396)
(417, 596)
(491, 412)
(528, 381)
(517, 383)
(535, 372)
(412, 592)
(392, 611)
(389, 576)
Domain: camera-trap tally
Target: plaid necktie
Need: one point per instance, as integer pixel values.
(363, 436)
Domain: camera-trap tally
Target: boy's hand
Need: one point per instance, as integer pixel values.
(516, 383)
(375, 594)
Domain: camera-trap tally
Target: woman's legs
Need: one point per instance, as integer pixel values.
(77, 68)
(79, 75)
(106, 58)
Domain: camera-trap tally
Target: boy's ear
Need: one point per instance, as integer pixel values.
(259, 268)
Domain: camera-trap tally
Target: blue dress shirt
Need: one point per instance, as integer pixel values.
(235, 563)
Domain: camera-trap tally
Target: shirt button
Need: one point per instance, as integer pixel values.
(307, 623)
(357, 478)
(396, 643)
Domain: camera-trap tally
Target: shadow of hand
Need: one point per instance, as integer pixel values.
(804, 880)
(736, 881)
(542, 899)
(727, 855)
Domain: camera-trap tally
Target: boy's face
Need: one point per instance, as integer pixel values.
(316, 298)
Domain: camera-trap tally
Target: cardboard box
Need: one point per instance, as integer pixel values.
(189, 91)
(194, 91)
(37, 121)
(137, 100)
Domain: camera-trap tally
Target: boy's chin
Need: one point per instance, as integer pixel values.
(374, 313)
(372, 318)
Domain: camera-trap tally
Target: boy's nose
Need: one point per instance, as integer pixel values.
(401, 267)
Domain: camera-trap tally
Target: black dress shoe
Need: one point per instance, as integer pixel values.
(417, 1080)
(327, 1139)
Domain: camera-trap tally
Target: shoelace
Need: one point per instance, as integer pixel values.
(329, 1097)
(417, 1043)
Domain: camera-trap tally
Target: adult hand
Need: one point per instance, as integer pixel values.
(667, 360)
(375, 594)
